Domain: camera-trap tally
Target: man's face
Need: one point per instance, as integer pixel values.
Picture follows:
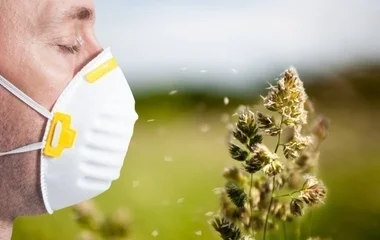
(43, 44)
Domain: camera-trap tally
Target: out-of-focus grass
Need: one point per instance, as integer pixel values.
(172, 197)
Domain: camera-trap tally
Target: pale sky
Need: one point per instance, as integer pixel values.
(233, 42)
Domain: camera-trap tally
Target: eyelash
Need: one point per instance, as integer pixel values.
(70, 49)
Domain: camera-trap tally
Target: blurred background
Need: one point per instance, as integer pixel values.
(184, 58)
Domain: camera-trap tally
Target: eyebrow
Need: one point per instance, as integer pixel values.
(80, 13)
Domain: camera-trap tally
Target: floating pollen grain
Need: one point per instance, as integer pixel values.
(226, 101)
(198, 233)
(151, 120)
(180, 200)
(155, 233)
(135, 184)
(224, 118)
(205, 128)
(217, 191)
(209, 214)
(173, 92)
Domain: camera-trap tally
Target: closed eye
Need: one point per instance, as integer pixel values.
(70, 49)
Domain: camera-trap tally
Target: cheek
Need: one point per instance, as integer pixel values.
(51, 71)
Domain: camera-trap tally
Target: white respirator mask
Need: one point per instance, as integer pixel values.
(87, 134)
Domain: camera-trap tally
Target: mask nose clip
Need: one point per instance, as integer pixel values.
(61, 135)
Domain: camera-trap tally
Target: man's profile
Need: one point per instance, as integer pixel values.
(57, 144)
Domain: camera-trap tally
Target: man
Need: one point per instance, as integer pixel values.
(43, 44)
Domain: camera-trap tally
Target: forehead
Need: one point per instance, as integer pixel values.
(69, 3)
(58, 10)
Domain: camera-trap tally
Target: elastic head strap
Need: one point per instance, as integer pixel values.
(25, 98)
(27, 148)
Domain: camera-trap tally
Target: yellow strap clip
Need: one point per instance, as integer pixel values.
(101, 70)
(60, 135)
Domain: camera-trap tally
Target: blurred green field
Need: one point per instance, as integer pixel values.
(172, 197)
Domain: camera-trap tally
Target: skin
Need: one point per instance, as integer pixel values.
(38, 57)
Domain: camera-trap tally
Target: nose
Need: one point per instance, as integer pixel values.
(91, 48)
